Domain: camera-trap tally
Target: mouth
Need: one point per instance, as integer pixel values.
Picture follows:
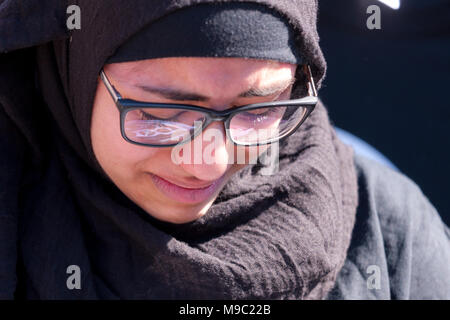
(187, 193)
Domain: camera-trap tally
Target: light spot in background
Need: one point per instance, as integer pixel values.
(394, 4)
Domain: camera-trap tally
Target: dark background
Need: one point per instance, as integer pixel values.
(391, 87)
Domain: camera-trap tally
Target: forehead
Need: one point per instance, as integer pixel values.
(166, 71)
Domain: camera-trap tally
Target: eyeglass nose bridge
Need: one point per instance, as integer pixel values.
(218, 118)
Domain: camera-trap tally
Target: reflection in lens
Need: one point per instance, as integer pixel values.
(264, 124)
(161, 126)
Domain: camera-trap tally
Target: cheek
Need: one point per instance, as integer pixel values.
(119, 158)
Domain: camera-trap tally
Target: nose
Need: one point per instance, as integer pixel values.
(210, 153)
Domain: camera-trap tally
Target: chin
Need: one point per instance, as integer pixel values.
(181, 215)
(184, 217)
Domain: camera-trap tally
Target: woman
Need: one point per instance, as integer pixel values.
(92, 184)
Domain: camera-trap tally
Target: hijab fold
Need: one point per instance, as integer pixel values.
(283, 236)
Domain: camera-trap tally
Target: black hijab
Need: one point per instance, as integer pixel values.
(282, 236)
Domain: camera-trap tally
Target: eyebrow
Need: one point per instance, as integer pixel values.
(181, 95)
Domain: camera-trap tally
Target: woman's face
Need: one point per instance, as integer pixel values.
(168, 190)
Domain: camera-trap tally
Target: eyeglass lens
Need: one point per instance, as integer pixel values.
(164, 126)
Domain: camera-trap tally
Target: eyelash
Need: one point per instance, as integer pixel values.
(145, 116)
(255, 117)
(264, 114)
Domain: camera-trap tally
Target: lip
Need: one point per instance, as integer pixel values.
(185, 193)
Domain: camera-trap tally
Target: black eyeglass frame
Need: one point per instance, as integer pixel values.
(125, 105)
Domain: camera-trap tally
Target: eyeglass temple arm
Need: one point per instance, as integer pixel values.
(112, 91)
(311, 87)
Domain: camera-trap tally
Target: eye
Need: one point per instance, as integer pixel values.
(159, 115)
(258, 114)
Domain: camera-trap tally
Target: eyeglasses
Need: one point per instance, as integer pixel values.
(167, 125)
